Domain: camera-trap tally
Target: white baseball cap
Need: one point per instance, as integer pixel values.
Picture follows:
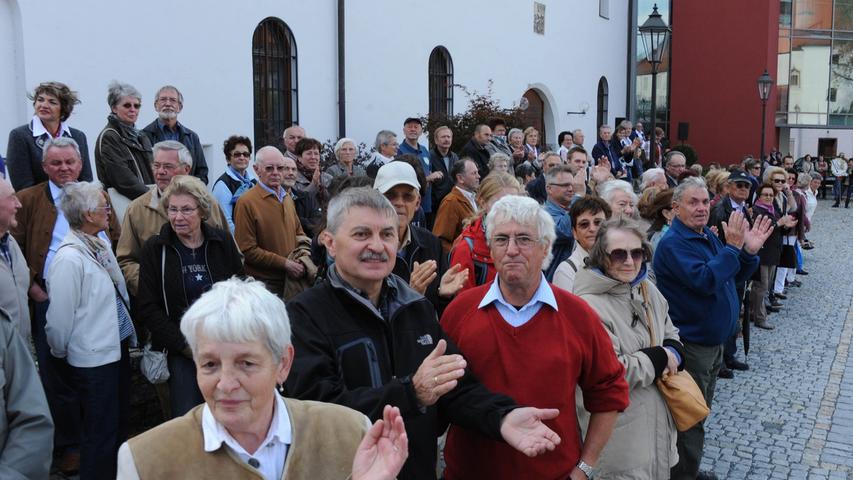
(395, 173)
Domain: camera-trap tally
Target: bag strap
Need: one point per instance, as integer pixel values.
(163, 279)
(133, 160)
(646, 307)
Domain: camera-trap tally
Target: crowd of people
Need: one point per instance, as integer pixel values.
(322, 323)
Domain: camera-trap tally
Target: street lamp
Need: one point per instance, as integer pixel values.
(654, 34)
(764, 84)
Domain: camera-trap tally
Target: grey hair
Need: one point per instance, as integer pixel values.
(551, 175)
(604, 126)
(340, 144)
(649, 175)
(384, 138)
(804, 179)
(598, 256)
(816, 176)
(576, 131)
(238, 311)
(351, 198)
(59, 142)
(524, 211)
(608, 189)
(689, 182)
(169, 87)
(184, 156)
(514, 131)
(79, 198)
(117, 90)
(499, 156)
(261, 154)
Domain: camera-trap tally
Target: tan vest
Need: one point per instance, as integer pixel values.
(325, 439)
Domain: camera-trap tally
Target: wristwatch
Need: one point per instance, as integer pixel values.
(585, 468)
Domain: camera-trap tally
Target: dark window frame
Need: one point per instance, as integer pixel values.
(274, 80)
(440, 83)
(602, 101)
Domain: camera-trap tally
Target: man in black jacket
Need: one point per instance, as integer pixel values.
(738, 187)
(364, 339)
(476, 148)
(168, 103)
(441, 160)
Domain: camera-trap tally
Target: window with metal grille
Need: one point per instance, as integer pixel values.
(440, 83)
(275, 81)
(602, 102)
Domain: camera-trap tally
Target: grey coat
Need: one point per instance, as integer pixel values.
(26, 428)
(642, 445)
(15, 279)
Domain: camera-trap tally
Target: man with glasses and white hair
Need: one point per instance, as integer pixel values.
(365, 339)
(515, 337)
(674, 163)
(697, 274)
(144, 216)
(168, 103)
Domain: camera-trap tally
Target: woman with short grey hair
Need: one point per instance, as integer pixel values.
(345, 152)
(636, 316)
(89, 325)
(515, 139)
(123, 154)
(499, 162)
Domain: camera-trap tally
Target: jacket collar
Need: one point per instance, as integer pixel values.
(168, 236)
(680, 228)
(396, 293)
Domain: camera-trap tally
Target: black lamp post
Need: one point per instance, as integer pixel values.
(654, 33)
(764, 84)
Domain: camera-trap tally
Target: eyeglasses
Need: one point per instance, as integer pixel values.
(521, 241)
(619, 255)
(742, 185)
(105, 208)
(168, 99)
(241, 154)
(585, 224)
(132, 105)
(165, 166)
(779, 180)
(185, 211)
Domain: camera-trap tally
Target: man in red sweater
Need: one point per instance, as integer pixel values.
(537, 343)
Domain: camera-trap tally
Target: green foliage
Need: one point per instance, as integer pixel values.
(689, 153)
(481, 109)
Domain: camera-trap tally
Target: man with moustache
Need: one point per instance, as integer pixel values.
(168, 103)
(442, 160)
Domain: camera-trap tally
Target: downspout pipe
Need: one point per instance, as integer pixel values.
(342, 95)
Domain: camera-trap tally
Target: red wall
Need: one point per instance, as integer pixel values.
(719, 49)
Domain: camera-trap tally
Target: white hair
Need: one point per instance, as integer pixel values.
(185, 158)
(59, 142)
(689, 182)
(650, 175)
(79, 198)
(608, 189)
(238, 311)
(340, 144)
(524, 211)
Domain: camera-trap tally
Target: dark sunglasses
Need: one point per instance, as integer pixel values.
(780, 180)
(619, 255)
(241, 154)
(134, 105)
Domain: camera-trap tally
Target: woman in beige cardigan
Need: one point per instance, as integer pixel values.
(635, 314)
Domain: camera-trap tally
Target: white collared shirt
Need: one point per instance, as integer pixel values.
(270, 456)
(39, 130)
(60, 229)
(471, 196)
(518, 317)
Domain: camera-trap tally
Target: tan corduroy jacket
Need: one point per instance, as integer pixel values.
(454, 209)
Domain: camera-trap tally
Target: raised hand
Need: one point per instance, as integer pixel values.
(735, 229)
(757, 235)
(523, 429)
(422, 275)
(452, 281)
(383, 450)
(437, 374)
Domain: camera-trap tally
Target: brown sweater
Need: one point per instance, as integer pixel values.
(454, 209)
(266, 231)
(325, 439)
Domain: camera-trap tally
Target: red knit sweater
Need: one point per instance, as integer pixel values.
(538, 364)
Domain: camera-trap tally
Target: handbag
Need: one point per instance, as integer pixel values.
(154, 365)
(119, 201)
(680, 392)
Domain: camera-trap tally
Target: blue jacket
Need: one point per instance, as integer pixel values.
(564, 243)
(696, 274)
(423, 154)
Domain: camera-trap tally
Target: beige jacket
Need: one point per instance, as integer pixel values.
(143, 220)
(15, 279)
(642, 445)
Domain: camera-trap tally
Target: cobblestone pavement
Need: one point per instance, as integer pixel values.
(791, 415)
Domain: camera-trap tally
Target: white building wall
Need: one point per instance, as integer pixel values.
(805, 140)
(206, 52)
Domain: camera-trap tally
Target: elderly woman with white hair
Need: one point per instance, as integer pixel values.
(122, 153)
(239, 334)
(499, 162)
(621, 198)
(89, 325)
(345, 152)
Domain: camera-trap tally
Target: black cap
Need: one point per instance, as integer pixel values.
(739, 176)
(413, 120)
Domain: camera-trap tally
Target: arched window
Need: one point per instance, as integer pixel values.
(602, 102)
(440, 83)
(274, 70)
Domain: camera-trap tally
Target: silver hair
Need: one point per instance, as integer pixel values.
(514, 131)
(261, 154)
(351, 198)
(576, 131)
(59, 142)
(499, 157)
(79, 198)
(603, 126)
(689, 182)
(649, 175)
(524, 211)
(803, 179)
(169, 87)
(551, 175)
(384, 137)
(608, 189)
(238, 311)
(184, 156)
(816, 176)
(117, 90)
(340, 144)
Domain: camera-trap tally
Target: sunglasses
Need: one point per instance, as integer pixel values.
(134, 105)
(779, 180)
(619, 255)
(241, 154)
(585, 224)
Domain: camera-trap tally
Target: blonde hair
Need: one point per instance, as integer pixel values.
(189, 185)
(493, 184)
